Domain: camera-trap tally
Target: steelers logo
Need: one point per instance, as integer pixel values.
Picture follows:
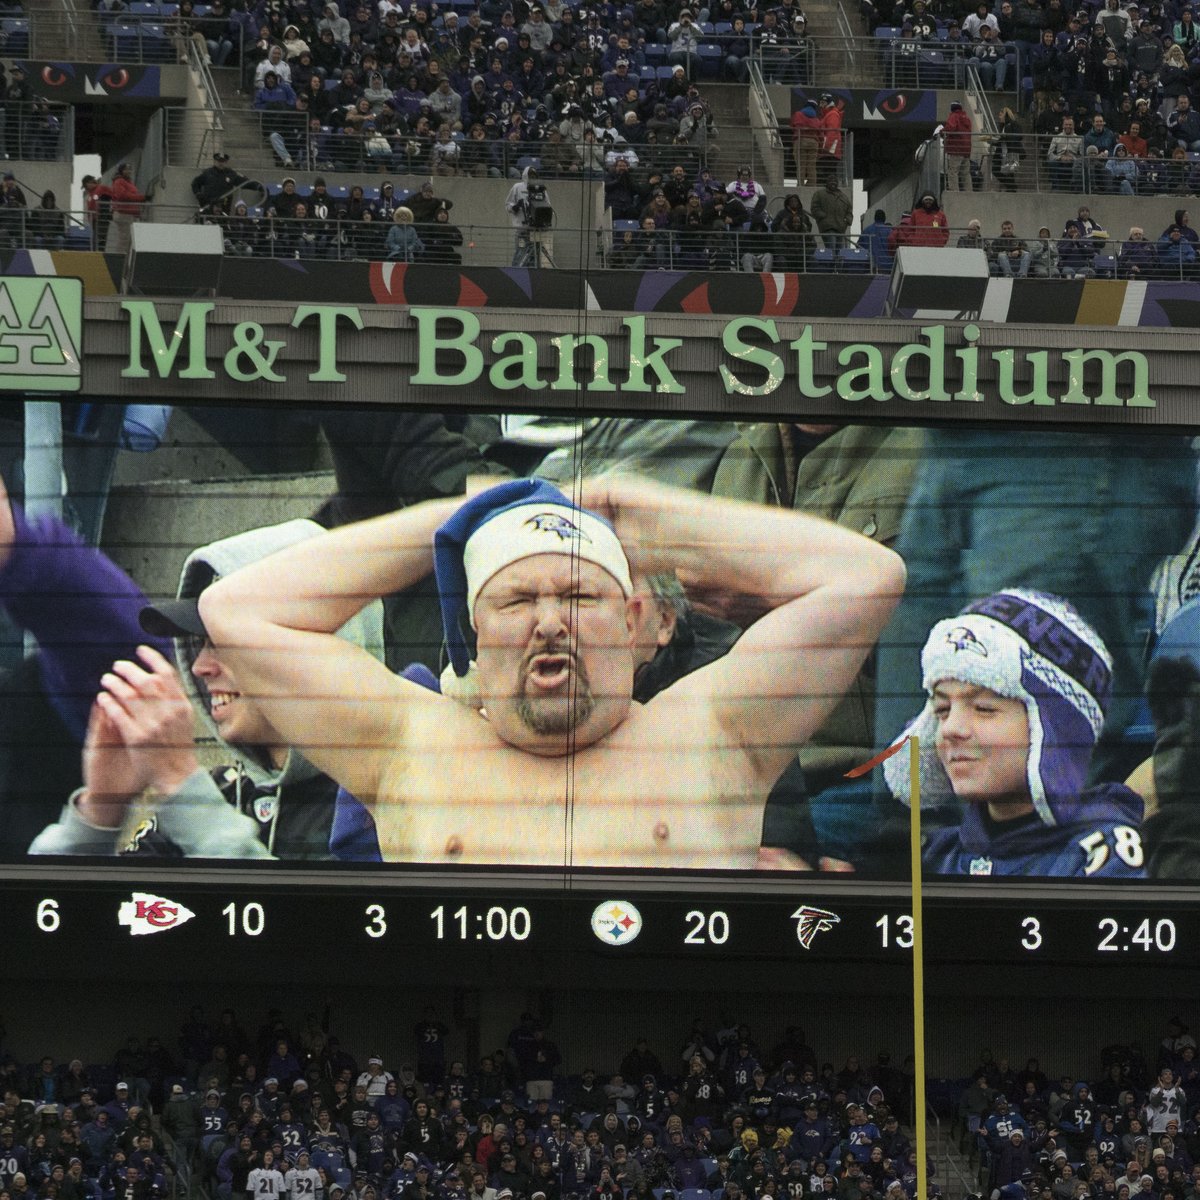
(616, 922)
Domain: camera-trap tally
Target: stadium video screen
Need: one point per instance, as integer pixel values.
(395, 639)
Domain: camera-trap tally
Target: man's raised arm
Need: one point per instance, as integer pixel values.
(274, 624)
(817, 596)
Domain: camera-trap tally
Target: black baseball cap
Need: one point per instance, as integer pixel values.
(173, 618)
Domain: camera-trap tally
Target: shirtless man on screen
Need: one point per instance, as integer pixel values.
(535, 753)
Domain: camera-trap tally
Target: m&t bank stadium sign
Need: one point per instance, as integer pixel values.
(428, 349)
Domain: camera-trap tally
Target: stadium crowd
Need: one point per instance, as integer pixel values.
(476, 92)
(1129, 1130)
(298, 1115)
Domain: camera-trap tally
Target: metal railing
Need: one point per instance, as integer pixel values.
(96, 36)
(956, 1183)
(41, 131)
(764, 125)
(192, 134)
(897, 61)
(789, 65)
(343, 237)
(1022, 162)
(978, 99)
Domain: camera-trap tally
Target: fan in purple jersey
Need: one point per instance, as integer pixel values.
(1018, 686)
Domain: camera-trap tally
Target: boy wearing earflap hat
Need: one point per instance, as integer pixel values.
(1018, 686)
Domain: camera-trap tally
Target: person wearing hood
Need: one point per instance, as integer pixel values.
(832, 211)
(266, 802)
(403, 243)
(377, 93)
(808, 135)
(446, 105)
(1018, 686)
(293, 44)
(338, 25)
(926, 225)
(477, 105)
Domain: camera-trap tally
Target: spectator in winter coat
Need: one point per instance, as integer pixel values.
(956, 141)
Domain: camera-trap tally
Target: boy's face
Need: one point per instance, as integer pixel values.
(982, 742)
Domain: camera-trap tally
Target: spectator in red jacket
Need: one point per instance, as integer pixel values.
(956, 141)
(831, 144)
(127, 204)
(926, 225)
(97, 203)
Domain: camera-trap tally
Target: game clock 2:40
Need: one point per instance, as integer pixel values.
(1114, 935)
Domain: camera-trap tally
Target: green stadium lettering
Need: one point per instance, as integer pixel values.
(759, 358)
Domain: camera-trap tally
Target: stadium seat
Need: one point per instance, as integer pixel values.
(821, 260)
(1105, 266)
(711, 58)
(15, 37)
(854, 262)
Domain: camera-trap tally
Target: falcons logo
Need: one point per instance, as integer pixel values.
(961, 638)
(811, 921)
(546, 522)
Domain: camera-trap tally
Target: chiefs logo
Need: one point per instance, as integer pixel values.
(146, 913)
(811, 921)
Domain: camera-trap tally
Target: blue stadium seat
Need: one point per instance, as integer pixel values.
(15, 37)
(695, 1194)
(711, 58)
(821, 260)
(370, 194)
(339, 191)
(625, 226)
(343, 1178)
(1105, 266)
(854, 262)
(656, 54)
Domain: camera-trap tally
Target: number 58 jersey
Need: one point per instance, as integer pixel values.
(1100, 839)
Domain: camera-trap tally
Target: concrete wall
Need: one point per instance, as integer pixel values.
(1030, 210)
(478, 203)
(36, 177)
(599, 1028)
